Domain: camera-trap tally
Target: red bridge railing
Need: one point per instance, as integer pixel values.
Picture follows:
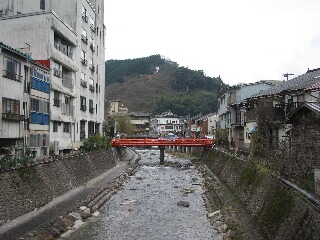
(149, 142)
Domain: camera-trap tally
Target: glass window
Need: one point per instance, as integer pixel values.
(55, 126)
(43, 4)
(12, 69)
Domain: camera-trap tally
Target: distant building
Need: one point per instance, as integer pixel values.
(203, 125)
(140, 121)
(167, 122)
(114, 107)
(233, 118)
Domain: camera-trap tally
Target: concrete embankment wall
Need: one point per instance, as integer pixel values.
(27, 189)
(277, 211)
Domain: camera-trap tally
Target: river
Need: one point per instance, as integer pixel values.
(146, 207)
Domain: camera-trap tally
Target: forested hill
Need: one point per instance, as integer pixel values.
(155, 84)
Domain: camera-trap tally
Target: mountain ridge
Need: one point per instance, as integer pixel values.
(154, 84)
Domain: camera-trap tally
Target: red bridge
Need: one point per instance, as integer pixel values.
(149, 142)
(162, 143)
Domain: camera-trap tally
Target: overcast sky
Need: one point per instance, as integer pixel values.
(241, 40)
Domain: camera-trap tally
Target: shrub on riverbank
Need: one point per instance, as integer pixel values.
(96, 142)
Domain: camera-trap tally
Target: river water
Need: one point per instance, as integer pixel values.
(146, 207)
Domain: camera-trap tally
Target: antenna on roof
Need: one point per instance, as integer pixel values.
(286, 75)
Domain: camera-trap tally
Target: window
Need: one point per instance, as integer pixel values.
(55, 126)
(67, 99)
(56, 70)
(82, 76)
(84, 14)
(11, 106)
(91, 109)
(35, 105)
(43, 4)
(92, 45)
(83, 57)
(12, 69)
(56, 98)
(92, 23)
(66, 127)
(83, 105)
(84, 35)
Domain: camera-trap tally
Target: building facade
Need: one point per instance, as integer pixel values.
(68, 37)
(24, 96)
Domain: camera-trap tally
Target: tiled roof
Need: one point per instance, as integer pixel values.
(139, 114)
(314, 86)
(15, 50)
(298, 83)
(313, 106)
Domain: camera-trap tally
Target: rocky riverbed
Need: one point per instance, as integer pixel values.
(148, 201)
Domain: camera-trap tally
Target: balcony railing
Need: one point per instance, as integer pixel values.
(11, 75)
(63, 49)
(12, 117)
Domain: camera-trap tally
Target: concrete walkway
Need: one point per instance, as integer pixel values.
(61, 205)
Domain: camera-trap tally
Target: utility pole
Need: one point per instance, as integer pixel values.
(286, 75)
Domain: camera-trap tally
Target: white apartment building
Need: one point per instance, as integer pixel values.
(67, 37)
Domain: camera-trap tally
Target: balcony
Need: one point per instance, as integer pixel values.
(85, 17)
(83, 83)
(11, 75)
(92, 27)
(64, 49)
(67, 109)
(91, 88)
(84, 61)
(92, 47)
(84, 38)
(92, 67)
(67, 82)
(12, 117)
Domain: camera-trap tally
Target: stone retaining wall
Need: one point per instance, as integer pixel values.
(27, 189)
(276, 210)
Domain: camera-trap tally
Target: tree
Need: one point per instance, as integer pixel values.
(123, 124)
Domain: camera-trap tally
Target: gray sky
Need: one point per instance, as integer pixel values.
(241, 40)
